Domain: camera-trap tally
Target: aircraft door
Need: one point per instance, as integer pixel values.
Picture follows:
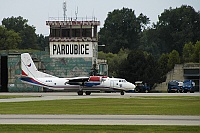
(111, 84)
(115, 84)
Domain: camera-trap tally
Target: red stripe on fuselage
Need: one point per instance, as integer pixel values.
(24, 74)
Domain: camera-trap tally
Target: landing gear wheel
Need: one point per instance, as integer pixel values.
(122, 93)
(80, 93)
(87, 92)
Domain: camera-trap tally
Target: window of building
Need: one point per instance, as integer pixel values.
(75, 32)
(65, 32)
(55, 32)
(86, 32)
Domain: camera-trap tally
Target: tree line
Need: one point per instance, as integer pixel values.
(175, 28)
(137, 65)
(15, 33)
(137, 51)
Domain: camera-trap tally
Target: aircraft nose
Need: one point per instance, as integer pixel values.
(133, 86)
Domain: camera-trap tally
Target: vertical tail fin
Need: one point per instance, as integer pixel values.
(28, 67)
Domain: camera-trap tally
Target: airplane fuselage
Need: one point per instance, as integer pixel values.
(63, 83)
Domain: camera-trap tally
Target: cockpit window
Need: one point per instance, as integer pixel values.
(123, 80)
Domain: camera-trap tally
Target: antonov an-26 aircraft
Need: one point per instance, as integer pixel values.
(31, 75)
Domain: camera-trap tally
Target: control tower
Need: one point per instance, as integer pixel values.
(74, 38)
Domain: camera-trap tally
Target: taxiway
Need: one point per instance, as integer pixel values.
(101, 119)
(73, 95)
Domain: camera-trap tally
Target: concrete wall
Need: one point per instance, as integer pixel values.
(175, 74)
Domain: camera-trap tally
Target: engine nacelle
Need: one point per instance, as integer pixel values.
(95, 78)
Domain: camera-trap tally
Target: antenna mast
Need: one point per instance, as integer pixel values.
(64, 9)
(76, 12)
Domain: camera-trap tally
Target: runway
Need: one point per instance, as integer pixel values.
(73, 95)
(101, 119)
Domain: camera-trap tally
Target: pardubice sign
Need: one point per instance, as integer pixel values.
(71, 49)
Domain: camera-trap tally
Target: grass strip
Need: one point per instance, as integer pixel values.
(14, 96)
(97, 129)
(131, 106)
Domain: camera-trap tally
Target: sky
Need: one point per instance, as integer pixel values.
(38, 11)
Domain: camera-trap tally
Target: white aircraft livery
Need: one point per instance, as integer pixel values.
(31, 75)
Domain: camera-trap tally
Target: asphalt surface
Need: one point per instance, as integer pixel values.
(73, 95)
(95, 119)
(101, 119)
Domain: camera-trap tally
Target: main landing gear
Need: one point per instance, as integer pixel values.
(80, 93)
(87, 92)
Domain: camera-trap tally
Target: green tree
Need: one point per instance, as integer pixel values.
(174, 58)
(8, 39)
(177, 27)
(139, 66)
(26, 32)
(114, 60)
(134, 67)
(188, 51)
(42, 41)
(101, 55)
(149, 42)
(163, 66)
(121, 30)
(15, 23)
(196, 54)
(152, 71)
(117, 62)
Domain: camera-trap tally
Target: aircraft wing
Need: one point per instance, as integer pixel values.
(77, 80)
